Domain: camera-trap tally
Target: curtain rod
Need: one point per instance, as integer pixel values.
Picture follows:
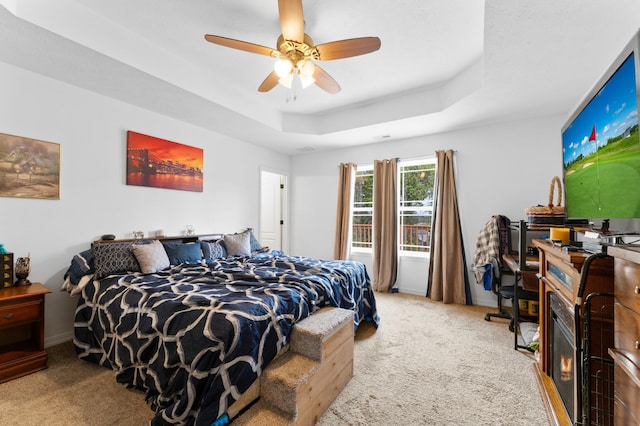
(417, 157)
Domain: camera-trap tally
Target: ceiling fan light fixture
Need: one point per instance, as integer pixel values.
(286, 80)
(283, 67)
(296, 50)
(306, 81)
(305, 68)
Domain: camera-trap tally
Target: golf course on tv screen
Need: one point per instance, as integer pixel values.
(601, 152)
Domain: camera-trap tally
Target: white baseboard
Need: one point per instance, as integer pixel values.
(414, 292)
(57, 339)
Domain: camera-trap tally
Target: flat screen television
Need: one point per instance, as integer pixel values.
(600, 148)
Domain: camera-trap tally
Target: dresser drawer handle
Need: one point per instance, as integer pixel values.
(8, 317)
(637, 345)
(636, 290)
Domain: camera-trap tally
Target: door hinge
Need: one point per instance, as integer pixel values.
(282, 186)
(282, 222)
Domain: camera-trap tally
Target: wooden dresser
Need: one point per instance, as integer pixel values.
(626, 351)
(22, 330)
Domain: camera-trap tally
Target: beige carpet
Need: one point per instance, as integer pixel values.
(427, 364)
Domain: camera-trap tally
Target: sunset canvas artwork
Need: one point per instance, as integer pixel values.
(160, 163)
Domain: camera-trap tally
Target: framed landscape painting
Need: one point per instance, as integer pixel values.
(161, 163)
(29, 168)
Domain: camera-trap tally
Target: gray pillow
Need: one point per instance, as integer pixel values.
(151, 257)
(238, 244)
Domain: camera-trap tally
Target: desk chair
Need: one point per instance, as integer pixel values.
(503, 292)
(496, 270)
(515, 266)
(513, 292)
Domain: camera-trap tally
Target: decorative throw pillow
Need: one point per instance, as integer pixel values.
(253, 241)
(82, 264)
(183, 252)
(151, 257)
(238, 244)
(114, 258)
(213, 249)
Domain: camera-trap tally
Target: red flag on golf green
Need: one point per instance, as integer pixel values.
(593, 134)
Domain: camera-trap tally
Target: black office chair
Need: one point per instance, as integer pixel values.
(513, 292)
(496, 271)
(502, 291)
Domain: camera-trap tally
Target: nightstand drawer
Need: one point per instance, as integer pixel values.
(22, 330)
(19, 313)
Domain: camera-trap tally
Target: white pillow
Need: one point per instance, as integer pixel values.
(238, 244)
(151, 257)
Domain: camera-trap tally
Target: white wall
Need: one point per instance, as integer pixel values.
(94, 197)
(501, 169)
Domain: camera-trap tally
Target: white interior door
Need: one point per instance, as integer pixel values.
(272, 202)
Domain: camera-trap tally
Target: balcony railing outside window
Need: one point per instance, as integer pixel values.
(362, 235)
(413, 237)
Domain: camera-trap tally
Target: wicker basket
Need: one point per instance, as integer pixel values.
(549, 215)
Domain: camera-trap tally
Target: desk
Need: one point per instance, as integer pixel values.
(524, 268)
(525, 288)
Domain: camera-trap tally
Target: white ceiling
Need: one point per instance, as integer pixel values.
(443, 65)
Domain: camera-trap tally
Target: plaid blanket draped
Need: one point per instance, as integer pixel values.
(487, 247)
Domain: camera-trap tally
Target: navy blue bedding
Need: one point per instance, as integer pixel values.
(195, 337)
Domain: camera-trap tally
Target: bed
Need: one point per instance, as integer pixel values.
(197, 333)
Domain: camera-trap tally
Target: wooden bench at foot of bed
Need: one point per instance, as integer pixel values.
(299, 386)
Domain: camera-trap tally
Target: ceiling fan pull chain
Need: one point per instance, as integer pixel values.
(292, 94)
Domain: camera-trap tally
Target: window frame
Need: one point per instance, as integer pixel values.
(357, 249)
(430, 162)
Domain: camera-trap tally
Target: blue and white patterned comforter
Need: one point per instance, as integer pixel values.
(196, 337)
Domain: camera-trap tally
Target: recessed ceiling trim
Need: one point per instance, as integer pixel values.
(418, 102)
(81, 25)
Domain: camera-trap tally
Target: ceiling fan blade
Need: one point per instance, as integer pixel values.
(291, 19)
(239, 44)
(325, 81)
(348, 48)
(269, 83)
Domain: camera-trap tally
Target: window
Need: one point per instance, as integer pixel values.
(415, 204)
(416, 180)
(362, 219)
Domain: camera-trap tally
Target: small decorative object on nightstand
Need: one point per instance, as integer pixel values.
(190, 230)
(23, 267)
(6, 269)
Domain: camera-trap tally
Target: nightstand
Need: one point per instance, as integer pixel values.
(22, 331)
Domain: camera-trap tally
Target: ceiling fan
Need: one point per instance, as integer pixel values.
(296, 51)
